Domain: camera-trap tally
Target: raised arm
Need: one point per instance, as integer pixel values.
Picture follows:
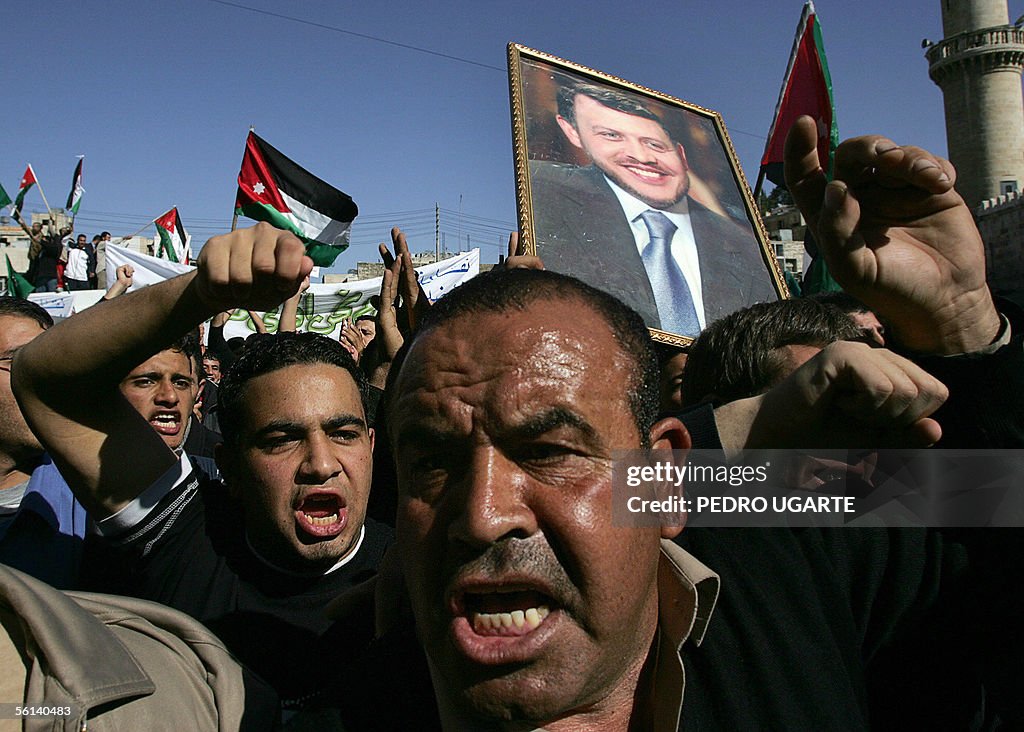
(122, 284)
(105, 449)
(257, 321)
(897, 235)
(289, 320)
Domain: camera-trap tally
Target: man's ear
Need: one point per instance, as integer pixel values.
(569, 131)
(671, 434)
(682, 155)
(373, 437)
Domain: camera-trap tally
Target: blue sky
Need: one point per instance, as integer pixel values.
(159, 96)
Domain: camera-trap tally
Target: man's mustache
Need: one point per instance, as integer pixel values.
(532, 557)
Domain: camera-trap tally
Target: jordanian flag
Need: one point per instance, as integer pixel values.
(5, 200)
(274, 189)
(807, 89)
(27, 181)
(75, 197)
(174, 240)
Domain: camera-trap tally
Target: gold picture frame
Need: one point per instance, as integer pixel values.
(591, 150)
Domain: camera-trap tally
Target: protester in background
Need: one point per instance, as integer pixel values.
(80, 268)
(42, 526)
(45, 252)
(257, 557)
(93, 250)
(671, 362)
(211, 367)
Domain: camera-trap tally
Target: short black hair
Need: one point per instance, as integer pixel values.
(189, 345)
(736, 356)
(612, 98)
(23, 308)
(367, 317)
(267, 352)
(501, 290)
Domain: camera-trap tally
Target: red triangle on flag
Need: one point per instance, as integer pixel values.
(28, 179)
(255, 181)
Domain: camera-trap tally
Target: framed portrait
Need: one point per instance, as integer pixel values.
(636, 193)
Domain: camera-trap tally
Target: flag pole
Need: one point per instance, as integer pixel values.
(139, 231)
(757, 186)
(46, 203)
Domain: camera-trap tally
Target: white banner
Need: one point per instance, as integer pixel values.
(148, 270)
(323, 308)
(57, 304)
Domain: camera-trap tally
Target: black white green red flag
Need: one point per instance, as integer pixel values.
(27, 181)
(5, 200)
(75, 196)
(806, 89)
(174, 240)
(274, 189)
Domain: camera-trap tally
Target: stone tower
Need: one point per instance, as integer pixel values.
(978, 67)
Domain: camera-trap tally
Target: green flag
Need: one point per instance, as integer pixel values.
(5, 200)
(17, 285)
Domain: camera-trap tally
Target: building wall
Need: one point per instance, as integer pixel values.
(1001, 222)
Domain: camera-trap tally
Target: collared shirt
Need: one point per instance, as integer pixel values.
(687, 592)
(684, 245)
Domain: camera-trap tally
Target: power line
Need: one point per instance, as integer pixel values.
(418, 49)
(378, 39)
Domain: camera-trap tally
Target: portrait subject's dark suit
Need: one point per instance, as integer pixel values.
(582, 230)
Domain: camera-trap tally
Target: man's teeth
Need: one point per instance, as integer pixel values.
(646, 173)
(529, 619)
(166, 418)
(320, 520)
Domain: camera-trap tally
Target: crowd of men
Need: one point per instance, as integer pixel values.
(59, 261)
(422, 538)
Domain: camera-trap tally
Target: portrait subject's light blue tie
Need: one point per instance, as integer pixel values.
(671, 293)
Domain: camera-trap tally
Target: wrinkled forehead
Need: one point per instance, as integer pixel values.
(499, 364)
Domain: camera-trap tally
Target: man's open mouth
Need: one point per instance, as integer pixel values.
(322, 515)
(166, 423)
(506, 613)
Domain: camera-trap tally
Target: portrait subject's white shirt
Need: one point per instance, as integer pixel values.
(684, 246)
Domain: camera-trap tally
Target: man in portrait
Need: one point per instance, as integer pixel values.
(629, 223)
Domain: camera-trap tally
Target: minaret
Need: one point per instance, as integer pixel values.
(978, 67)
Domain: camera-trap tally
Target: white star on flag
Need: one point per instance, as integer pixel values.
(258, 189)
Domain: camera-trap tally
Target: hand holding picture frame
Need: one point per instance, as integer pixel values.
(636, 193)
